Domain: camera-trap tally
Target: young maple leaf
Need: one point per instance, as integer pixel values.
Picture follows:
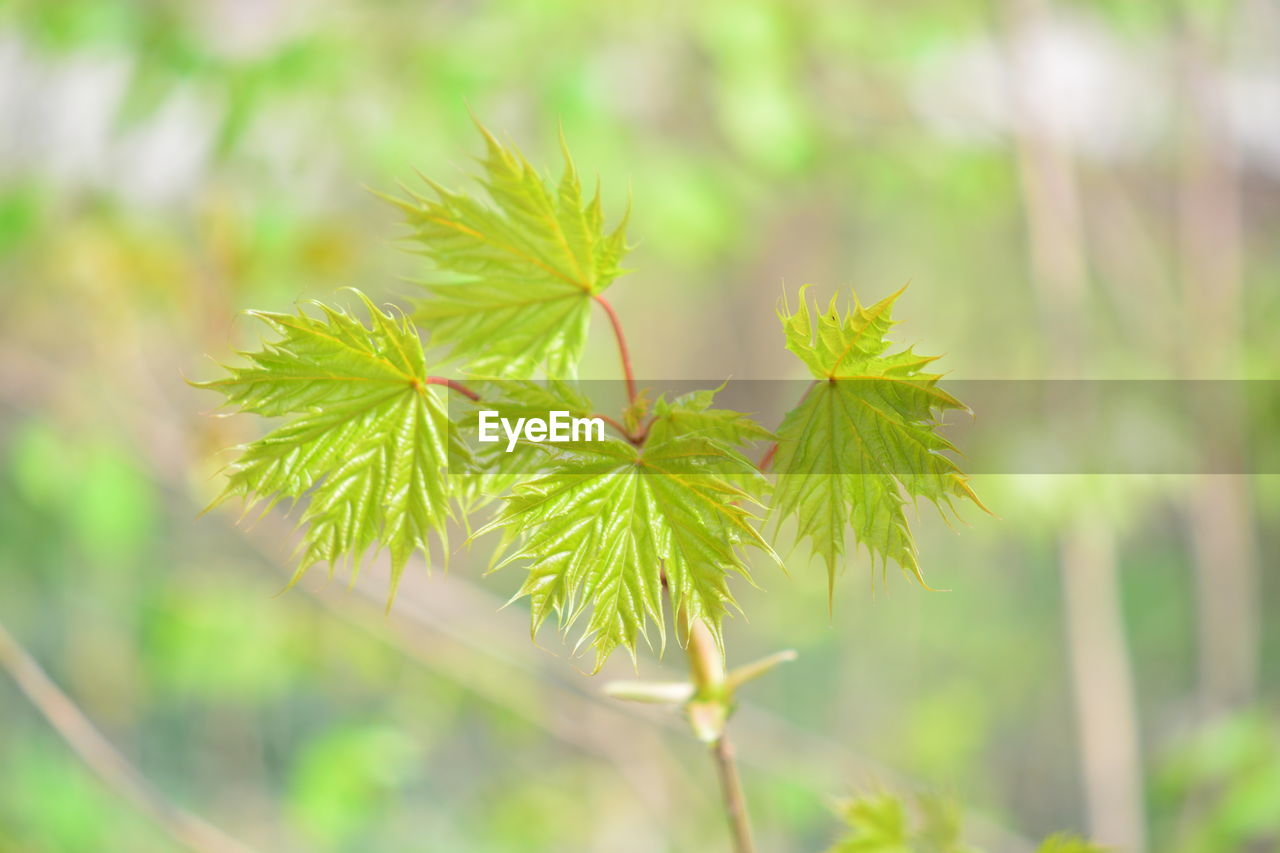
(517, 275)
(368, 436)
(693, 413)
(863, 441)
(604, 528)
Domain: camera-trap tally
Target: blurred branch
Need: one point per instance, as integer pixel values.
(98, 753)
(567, 716)
(590, 720)
(1102, 678)
(780, 747)
(1210, 259)
(1101, 670)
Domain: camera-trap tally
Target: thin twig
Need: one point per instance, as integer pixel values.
(634, 438)
(103, 758)
(710, 703)
(735, 802)
(623, 352)
(767, 460)
(455, 385)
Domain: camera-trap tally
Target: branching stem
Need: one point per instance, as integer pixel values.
(454, 385)
(709, 708)
(735, 802)
(623, 352)
(634, 438)
(767, 459)
(706, 670)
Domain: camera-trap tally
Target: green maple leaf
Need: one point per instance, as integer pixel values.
(517, 273)
(863, 441)
(367, 435)
(612, 520)
(693, 413)
(514, 398)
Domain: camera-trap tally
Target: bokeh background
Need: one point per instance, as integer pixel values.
(1074, 189)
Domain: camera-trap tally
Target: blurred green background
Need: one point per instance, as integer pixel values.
(1074, 189)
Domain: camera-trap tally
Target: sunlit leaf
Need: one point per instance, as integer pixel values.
(516, 273)
(613, 521)
(367, 437)
(863, 442)
(693, 413)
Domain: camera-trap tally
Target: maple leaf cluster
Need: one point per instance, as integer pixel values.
(605, 530)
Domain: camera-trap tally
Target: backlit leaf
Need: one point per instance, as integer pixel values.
(516, 273)
(367, 437)
(603, 529)
(863, 442)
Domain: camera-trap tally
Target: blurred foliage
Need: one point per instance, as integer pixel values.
(880, 823)
(347, 780)
(1230, 773)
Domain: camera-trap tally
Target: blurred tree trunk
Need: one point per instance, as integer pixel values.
(1219, 509)
(1101, 672)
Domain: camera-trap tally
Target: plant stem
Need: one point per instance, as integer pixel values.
(706, 664)
(454, 385)
(622, 347)
(706, 670)
(767, 460)
(635, 438)
(709, 708)
(735, 802)
(97, 752)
